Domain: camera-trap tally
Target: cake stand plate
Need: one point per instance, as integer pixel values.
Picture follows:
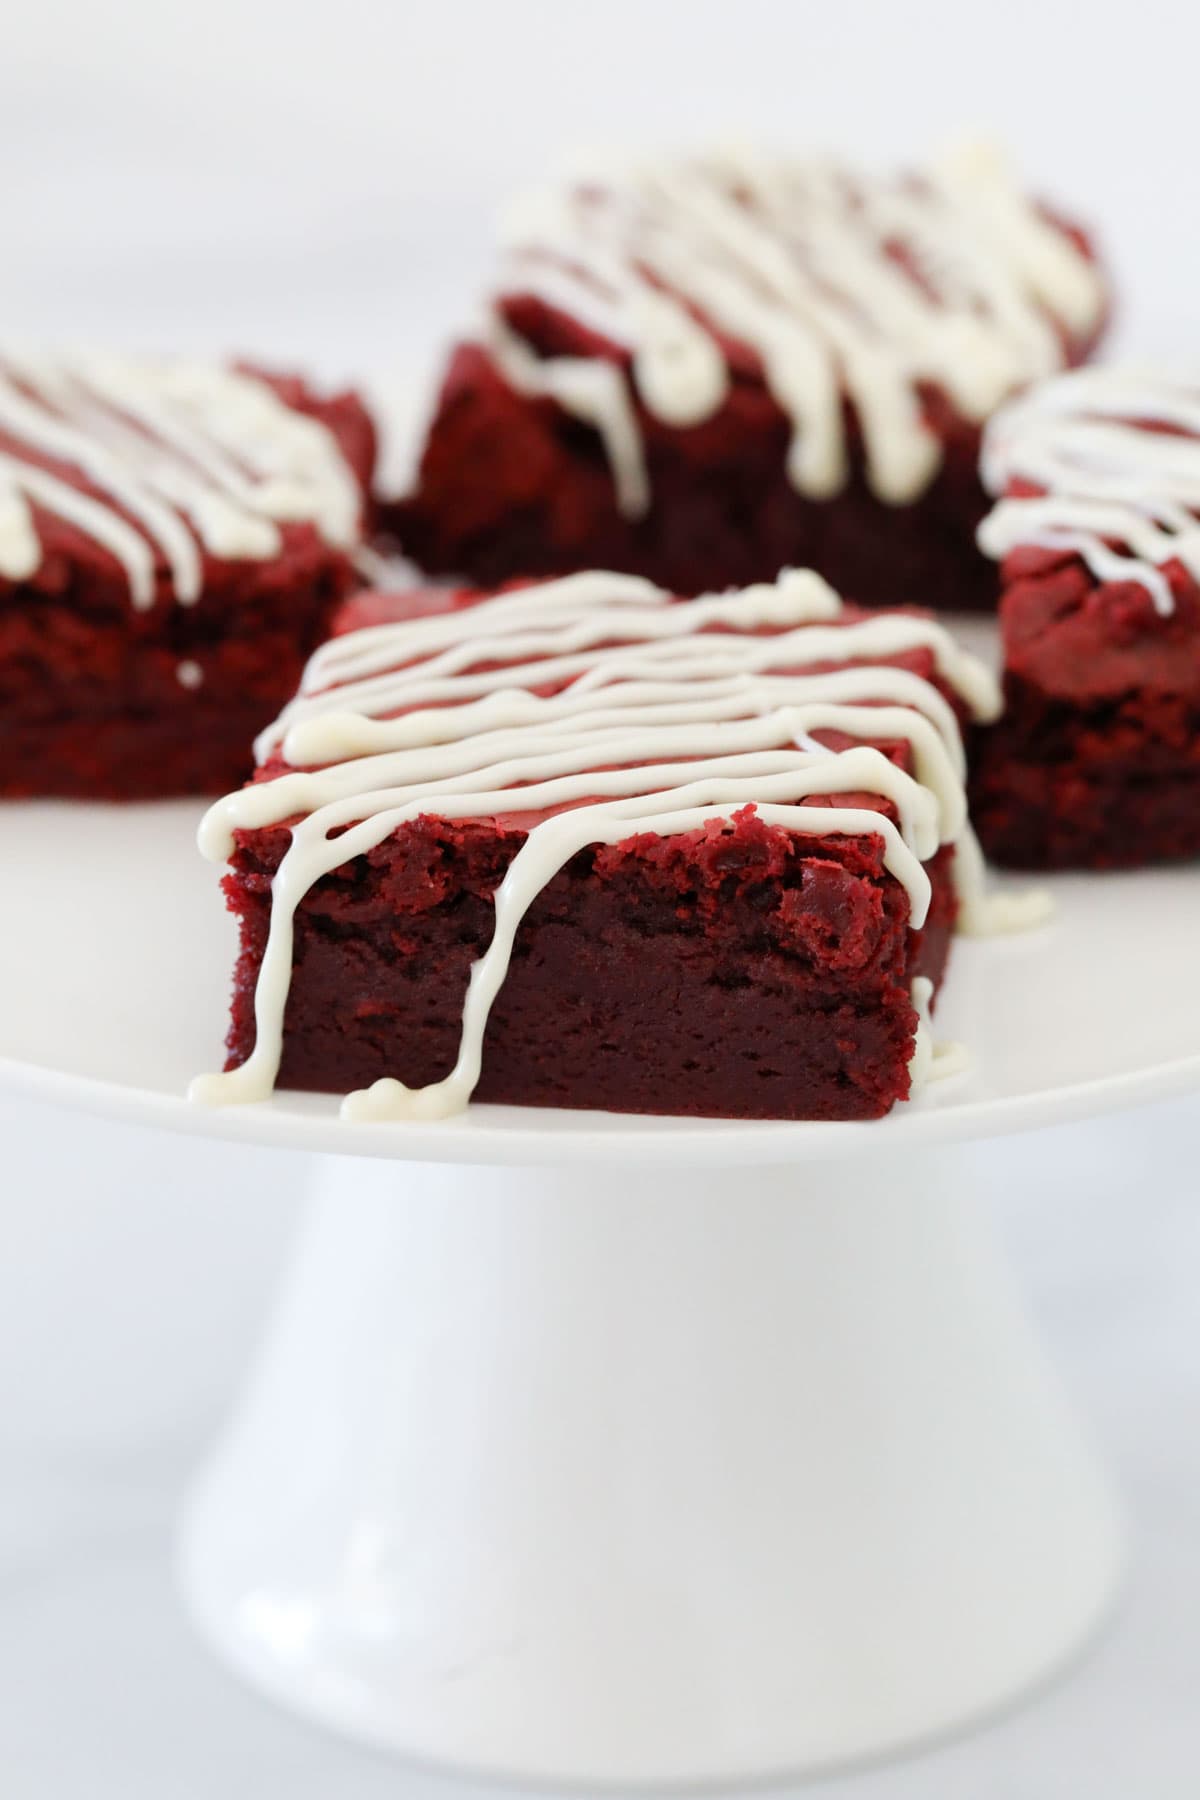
(610, 1450)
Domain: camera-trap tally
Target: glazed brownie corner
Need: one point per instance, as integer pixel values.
(1095, 762)
(178, 539)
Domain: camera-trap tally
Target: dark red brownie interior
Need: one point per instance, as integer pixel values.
(741, 971)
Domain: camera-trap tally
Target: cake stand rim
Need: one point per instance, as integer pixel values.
(540, 1137)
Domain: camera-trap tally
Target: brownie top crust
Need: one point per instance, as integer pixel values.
(888, 298)
(161, 470)
(596, 710)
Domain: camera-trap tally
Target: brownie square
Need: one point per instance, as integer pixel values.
(174, 540)
(707, 371)
(727, 952)
(1095, 762)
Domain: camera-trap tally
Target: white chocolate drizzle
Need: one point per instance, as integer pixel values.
(599, 710)
(1115, 456)
(158, 462)
(839, 283)
(931, 1061)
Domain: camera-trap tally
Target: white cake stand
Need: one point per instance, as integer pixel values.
(598, 1449)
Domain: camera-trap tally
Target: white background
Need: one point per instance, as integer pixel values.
(316, 183)
(319, 178)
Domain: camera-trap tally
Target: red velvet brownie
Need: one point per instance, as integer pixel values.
(1096, 761)
(705, 372)
(576, 845)
(174, 540)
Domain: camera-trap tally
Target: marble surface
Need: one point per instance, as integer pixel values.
(134, 1271)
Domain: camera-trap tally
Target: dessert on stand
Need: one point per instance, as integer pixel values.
(613, 1447)
(646, 1401)
(1095, 762)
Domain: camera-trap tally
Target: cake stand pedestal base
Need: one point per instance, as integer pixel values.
(626, 1476)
